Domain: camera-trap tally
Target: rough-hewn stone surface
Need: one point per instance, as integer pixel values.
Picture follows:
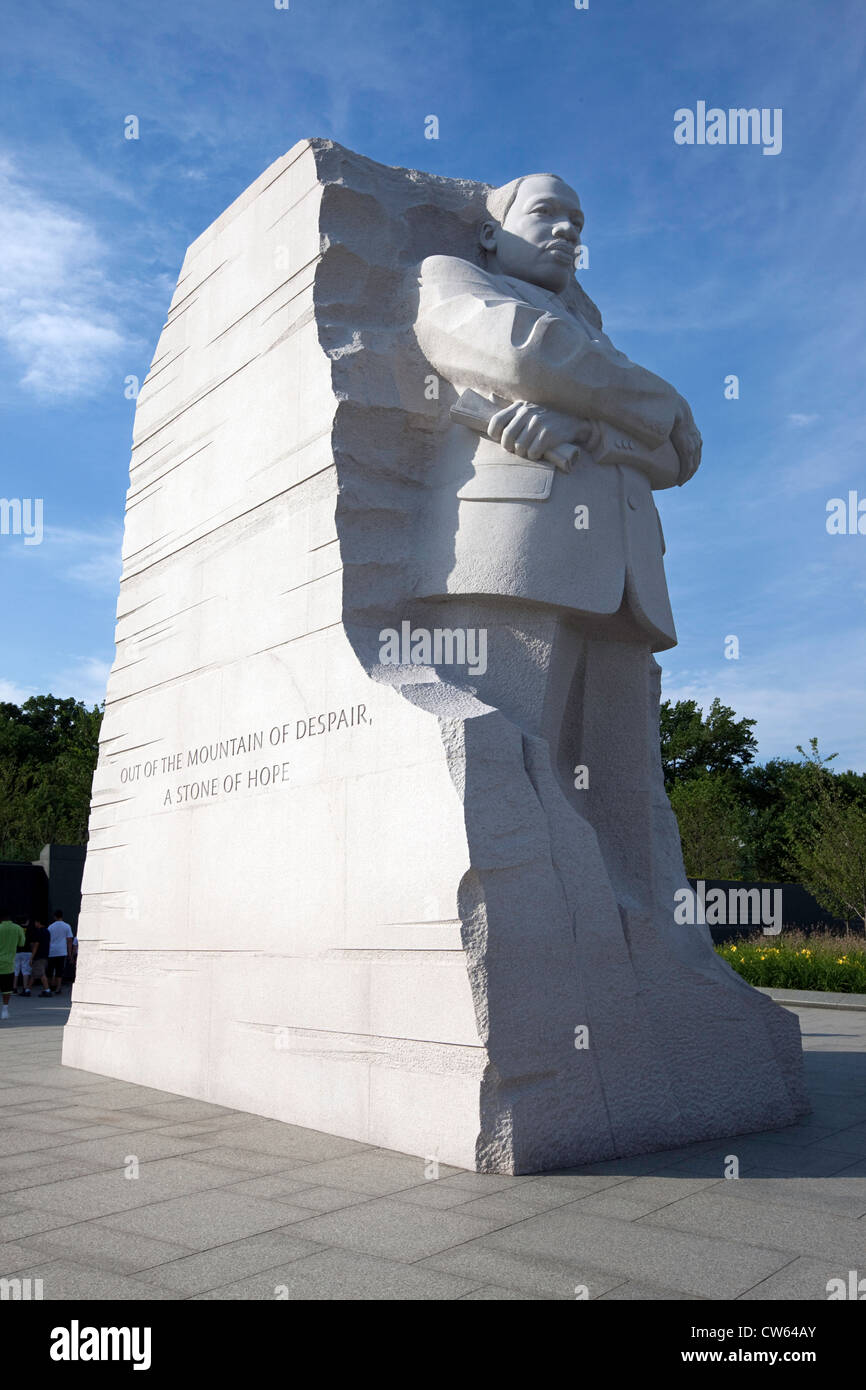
(377, 908)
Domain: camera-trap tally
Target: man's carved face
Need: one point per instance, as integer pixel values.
(540, 235)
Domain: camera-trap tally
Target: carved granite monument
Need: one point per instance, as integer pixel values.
(380, 843)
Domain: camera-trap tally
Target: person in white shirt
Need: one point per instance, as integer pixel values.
(59, 952)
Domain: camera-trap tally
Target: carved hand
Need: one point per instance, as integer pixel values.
(530, 430)
(686, 439)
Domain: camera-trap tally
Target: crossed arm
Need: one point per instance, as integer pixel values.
(558, 378)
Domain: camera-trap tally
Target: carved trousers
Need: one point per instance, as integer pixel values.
(594, 702)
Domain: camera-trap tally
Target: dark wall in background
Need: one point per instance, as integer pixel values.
(30, 890)
(24, 892)
(64, 866)
(799, 909)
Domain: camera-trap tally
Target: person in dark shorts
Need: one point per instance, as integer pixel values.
(31, 931)
(41, 947)
(58, 952)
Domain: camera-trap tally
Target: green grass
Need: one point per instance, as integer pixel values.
(793, 960)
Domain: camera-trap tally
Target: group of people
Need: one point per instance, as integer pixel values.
(36, 952)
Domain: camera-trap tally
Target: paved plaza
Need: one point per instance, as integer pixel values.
(231, 1206)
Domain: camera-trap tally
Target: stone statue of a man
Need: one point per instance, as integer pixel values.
(555, 550)
(516, 333)
(482, 962)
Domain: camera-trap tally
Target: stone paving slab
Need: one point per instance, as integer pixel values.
(541, 1275)
(686, 1261)
(215, 1269)
(219, 1205)
(64, 1281)
(356, 1276)
(94, 1243)
(782, 1229)
(802, 1279)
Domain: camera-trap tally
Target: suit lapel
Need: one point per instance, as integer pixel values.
(545, 300)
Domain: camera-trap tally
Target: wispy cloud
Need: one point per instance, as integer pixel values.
(57, 319)
(80, 677)
(85, 678)
(92, 557)
(89, 557)
(794, 691)
(13, 694)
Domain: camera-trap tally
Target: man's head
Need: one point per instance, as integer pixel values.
(534, 231)
(58, 916)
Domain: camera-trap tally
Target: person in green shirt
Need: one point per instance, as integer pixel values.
(11, 940)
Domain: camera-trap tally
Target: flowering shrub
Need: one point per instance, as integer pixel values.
(795, 961)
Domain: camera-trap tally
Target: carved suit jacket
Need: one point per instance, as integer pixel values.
(588, 541)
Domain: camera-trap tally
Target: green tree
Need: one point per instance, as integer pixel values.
(48, 751)
(693, 743)
(831, 855)
(781, 821)
(782, 813)
(785, 806)
(712, 825)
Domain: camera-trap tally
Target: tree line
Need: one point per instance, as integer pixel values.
(48, 750)
(789, 820)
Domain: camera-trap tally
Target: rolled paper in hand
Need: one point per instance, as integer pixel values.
(476, 411)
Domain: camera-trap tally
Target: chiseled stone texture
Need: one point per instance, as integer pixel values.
(317, 888)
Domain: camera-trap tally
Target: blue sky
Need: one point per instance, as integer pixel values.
(705, 261)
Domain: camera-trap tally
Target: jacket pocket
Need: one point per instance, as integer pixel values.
(508, 482)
